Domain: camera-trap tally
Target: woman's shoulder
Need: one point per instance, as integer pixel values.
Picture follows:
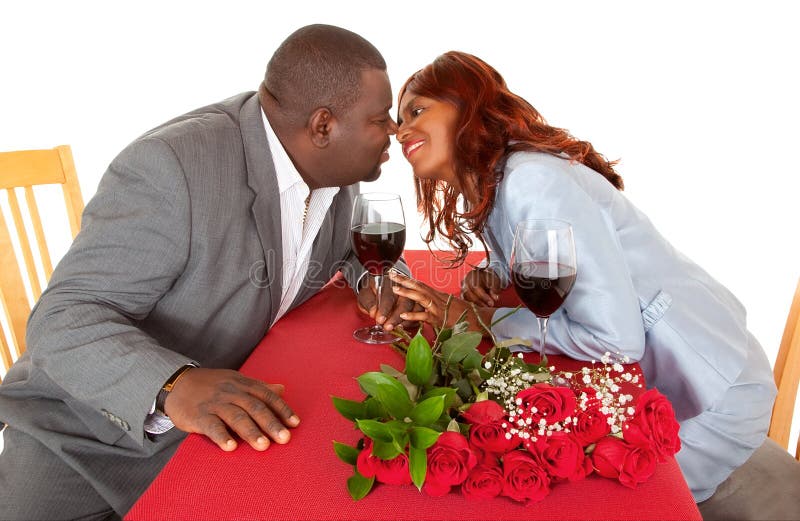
(525, 170)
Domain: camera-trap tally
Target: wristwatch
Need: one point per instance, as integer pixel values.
(167, 388)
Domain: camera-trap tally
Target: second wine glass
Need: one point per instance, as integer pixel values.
(543, 268)
(378, 236)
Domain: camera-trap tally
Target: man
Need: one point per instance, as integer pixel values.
(200, 237)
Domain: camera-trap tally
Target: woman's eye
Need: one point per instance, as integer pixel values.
(417, 111)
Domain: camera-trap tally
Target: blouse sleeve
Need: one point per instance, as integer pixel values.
(601, 313)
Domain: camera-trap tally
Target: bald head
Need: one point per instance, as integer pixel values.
(318, 66)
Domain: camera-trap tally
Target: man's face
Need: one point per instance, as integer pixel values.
(360, 140)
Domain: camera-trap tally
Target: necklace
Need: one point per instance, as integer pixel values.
(305, 210)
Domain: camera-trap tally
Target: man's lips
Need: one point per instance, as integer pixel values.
(411, 147)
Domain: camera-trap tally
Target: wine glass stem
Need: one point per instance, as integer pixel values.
(543, 337)
(378, 293)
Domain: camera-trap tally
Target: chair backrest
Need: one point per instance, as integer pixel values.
(787, 377)
(23, 170)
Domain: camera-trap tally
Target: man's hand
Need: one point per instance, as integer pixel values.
(391, 306)
(481, 286)
(216, 402)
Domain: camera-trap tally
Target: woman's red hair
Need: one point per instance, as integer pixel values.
(493, 122)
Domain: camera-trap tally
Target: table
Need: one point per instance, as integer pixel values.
(311, 351)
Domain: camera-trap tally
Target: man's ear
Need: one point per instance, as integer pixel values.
(320, 126)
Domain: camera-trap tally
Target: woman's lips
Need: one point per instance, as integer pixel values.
(411, 147)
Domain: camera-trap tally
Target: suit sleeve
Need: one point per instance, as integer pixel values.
(601, 313)
(133, 246)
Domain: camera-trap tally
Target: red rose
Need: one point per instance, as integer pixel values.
(561, 456)
(654, 425)
(544, 401)
(590, 425)
(483, 482)
(486, 411)
(631, 465)
(449, 462)
(487, 432)
(392, 472)
(525, 480)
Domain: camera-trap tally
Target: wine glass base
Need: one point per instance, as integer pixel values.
(374, 335)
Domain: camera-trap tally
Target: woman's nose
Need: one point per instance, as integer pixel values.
(401, 132)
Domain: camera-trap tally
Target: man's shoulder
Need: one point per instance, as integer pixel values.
(222, 116)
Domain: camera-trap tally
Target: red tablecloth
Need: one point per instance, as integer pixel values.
(311, 351)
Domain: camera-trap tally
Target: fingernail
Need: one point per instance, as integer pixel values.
(283, 436)
(404, 315)
(262, 442)
(230, 445)
(495, 296)
(294, 420)
(381, 319)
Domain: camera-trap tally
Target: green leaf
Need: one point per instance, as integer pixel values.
(427, 411)
(385, 449)
(423, 437)
(349, 409)
(388, 391)
(391, 371)
(374, 430)
(418, 463)
(346, 453)
(399, 432)
(453, 426)
(374, 409)
(459, 346)
(419, 360)
(473, 360)
(358, 486)
(516, 341)
(438, 391)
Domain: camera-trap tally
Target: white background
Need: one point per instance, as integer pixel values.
(699, 100)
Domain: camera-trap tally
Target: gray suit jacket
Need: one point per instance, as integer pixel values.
(179, 260)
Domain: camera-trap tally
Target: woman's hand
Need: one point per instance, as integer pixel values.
(481, 286)
(433, 304)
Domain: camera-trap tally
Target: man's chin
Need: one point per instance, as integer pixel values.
(373, 176)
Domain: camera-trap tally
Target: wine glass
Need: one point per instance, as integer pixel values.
(378, 236)
(543, 268)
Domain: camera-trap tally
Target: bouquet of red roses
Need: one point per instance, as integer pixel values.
(495, 425)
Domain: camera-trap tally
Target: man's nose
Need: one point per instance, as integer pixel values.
(392, 127)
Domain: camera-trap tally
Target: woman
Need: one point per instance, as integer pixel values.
(484, 159)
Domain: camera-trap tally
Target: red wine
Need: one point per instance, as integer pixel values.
(542, 286)
(378, 245)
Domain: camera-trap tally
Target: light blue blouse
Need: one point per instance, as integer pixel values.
(634, 294)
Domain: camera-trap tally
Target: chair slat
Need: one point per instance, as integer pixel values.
(24, 244)
(44, 252)
(5, 353)
(30, 167)
(12, 292)
(787, 378)
(71, 188)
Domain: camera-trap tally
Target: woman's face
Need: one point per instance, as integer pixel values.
(426, 131)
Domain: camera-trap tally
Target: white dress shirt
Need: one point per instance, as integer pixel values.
(299, 224)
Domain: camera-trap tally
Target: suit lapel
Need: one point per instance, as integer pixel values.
(266, 207)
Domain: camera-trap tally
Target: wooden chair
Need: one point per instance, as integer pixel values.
(25, 169)
(787, 377)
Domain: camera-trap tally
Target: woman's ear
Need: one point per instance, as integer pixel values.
(320, 125)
